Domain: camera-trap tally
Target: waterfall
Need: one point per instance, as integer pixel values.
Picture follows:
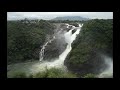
(67, 37)
(41, 54)
(59, 63)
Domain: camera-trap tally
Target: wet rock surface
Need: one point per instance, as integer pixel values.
(57, 46)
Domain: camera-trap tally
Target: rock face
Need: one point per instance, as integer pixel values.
(54, 49)
(58, 45)
(73, 31)
(92, 65)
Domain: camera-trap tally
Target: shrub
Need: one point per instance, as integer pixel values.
(19, 75)
(90, 75)
(53, 73)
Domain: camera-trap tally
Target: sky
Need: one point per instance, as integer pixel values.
(51, 15)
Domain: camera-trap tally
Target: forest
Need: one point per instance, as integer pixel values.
(96, 38)
(25, 38)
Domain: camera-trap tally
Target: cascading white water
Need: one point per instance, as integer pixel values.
(43, 48)
(59, 63)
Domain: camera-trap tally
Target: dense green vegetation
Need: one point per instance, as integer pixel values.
(89, 76)
(95, 38)
(19, 75)
(49, 73)
(24, 39)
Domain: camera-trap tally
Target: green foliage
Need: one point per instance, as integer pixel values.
(54, 73)
(40, 75)
(96, 37)
(19, 75)
(49, 73)
(89, 76)
(24, 39)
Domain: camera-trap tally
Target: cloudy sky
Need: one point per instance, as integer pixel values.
(51, 15)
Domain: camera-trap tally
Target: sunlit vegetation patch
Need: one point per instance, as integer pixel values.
(90, 75)
(49, 73)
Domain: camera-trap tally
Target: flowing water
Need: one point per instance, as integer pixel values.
(43, 48)
(59, 63)
(37, 66)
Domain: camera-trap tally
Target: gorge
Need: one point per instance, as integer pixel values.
(82, 48)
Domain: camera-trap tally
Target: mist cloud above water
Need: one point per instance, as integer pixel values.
(108, 71)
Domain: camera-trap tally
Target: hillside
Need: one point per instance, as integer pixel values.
(25, 38)
(72, 18)
(78, 45)
(94, 40)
